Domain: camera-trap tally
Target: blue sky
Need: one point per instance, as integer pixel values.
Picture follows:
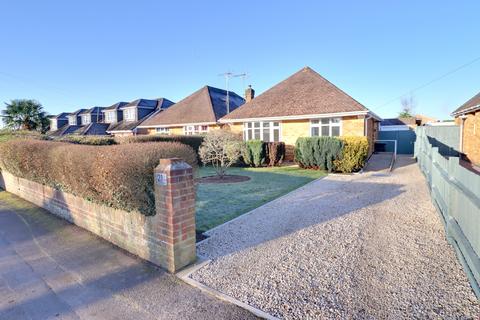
(76, 54)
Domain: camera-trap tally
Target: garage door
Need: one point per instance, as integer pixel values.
(405, 140)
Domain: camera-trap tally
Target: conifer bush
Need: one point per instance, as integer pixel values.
(254, 153)
(342, 154)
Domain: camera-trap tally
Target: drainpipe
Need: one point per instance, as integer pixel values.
(463, 117)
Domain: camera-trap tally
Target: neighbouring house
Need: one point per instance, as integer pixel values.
(303, 105)
(74, 123)
(467, 116)
(134, 113)
(410, 123)
(93, 114)
(113, 113)
(80, 122)
(58, 121)
(196, 114)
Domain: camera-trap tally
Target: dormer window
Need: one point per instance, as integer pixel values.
(129, 114)
(110, 117)
(86, 119)
(72, 120)
(53, 125)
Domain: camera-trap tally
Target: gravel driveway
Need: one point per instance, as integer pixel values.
(367, 246)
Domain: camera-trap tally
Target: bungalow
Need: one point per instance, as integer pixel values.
(467, 116)
(195, 114)
(134, 113)
(303, 105)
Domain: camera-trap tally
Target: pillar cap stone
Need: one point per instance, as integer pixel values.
(172, 164)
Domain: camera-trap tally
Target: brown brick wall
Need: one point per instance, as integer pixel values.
(471, 136)
(291, 130)
(160, 239)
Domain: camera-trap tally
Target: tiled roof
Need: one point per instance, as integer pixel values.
(304, 93)
(66, 129)
(76, 113)
(472, 104)
(115, 106)
(203, 106)
(396, 122)
(123, 125)
(62, 115)
(92, 110)
(149, 103)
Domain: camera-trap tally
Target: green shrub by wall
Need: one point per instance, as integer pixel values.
(254, 153)
(257, 153)
(275, 153)
(354, 154)
(120, 176)
(318, 152)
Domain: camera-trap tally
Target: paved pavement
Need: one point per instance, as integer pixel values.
(368, 246)
(50, 269)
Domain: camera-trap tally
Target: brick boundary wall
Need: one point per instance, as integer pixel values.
(166, 239)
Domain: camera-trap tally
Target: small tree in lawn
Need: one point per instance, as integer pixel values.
(221, 149)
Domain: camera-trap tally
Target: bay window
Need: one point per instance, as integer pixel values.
(329, 127)
(267, 131)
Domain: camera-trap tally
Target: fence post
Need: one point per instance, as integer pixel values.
(175, 208)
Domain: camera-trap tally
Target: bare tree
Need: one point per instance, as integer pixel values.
(221, 149)
(408, 105)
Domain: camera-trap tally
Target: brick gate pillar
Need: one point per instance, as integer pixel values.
(175, 208)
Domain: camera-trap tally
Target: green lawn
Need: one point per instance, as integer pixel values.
(218, 203)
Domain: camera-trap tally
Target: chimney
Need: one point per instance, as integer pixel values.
(249, 93)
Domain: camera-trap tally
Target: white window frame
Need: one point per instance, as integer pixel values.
(317, 123)
(53, 125)
(272, 125)
(195, 129)
(86, 119)
(162, 131)
(129, 114)
(110, 116)
(72, 120)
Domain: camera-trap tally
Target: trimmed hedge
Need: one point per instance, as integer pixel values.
(120, 176)
(343, 154)
(254, 153)
(257, 153)
(354, 154)
(318, 152)
(88, 140)
(193, 141)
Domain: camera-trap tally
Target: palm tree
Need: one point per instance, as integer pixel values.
(25, 114)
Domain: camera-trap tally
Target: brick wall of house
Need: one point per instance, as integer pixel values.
(471, 136)
(291, 130)
(166, 239)
(353, 126)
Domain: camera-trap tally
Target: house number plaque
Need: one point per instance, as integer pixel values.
(161, 179)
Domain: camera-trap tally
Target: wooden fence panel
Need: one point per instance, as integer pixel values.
(455, 191)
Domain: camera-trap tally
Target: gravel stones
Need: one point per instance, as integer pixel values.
(365, 246)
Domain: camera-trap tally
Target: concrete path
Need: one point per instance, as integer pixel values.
(367, 246)
(50, 269)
